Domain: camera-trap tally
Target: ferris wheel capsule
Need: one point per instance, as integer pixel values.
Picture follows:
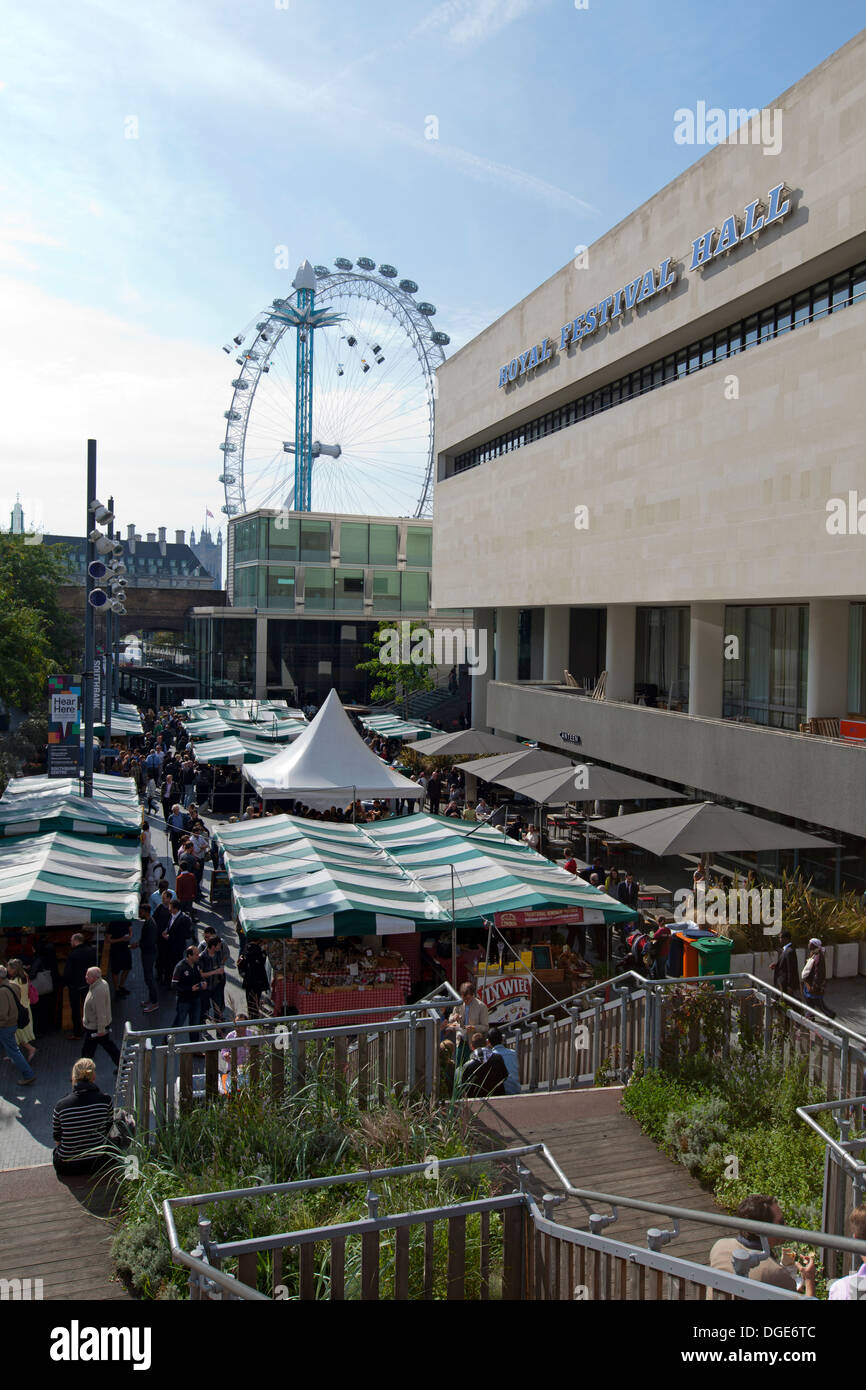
(364, 263)
(230, 508)
(441, 339)
(229, 448)
(427, 309)
(389, 271)
(342, 263)
(239, 384)
(321, 270)
(231, 415)
(227, 479)
(408, 287)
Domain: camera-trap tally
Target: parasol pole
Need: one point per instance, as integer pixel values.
(354, 806)
(453, 933)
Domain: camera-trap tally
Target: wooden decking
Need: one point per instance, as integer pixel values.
(601, 1148)
(59, 1232)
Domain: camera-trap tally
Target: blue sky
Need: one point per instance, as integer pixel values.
(125, 263)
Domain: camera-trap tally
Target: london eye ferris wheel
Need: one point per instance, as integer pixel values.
(332, 408)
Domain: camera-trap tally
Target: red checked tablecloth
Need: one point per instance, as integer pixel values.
(345, 1000)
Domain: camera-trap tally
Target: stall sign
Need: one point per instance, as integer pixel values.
(551, 917)
(506, 997)
(64, 725)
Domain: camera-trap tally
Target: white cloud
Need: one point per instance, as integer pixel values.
(153, 404)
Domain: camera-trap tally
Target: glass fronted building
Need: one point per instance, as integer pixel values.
(307, 592)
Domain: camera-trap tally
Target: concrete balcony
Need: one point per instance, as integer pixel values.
(798, 775)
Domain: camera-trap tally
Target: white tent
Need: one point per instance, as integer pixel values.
(329, 763)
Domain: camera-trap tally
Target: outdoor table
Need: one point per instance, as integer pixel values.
(653, 892)
(289, 992)
(387, 997)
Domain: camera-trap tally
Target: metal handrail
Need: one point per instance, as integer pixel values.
(739, 1223)
(367, 1175)
(653, 985)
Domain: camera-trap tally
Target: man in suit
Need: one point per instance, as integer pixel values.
(786, 968)
(177, 934)
(81, 957)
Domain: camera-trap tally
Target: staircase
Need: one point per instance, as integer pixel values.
(437, 706)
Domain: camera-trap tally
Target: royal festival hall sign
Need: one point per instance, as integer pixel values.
(706, 248)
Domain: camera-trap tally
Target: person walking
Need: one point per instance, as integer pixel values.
(786, 968)
(81, 1123)
(20, 981)
(97, 1017)
(78, 962)
(168, 797)
(814, 978)
(186, 888)
(10, 1005)
(148, 943)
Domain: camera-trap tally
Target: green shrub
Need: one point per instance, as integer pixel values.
(786, 1163)
(690, 1134)
(650, 1097)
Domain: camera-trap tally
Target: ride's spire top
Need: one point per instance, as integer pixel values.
(305, 278)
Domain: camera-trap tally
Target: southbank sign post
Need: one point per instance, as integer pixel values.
(756, 217)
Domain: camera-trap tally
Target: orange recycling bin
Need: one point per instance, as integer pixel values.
(691, 959)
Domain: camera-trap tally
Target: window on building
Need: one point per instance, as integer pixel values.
(662, 655)
(316, 541)
(349, 590)
(246, 582)
(383, 545)
(386, 591)
(414, 596)
(765, 677)
(283, 538)
(318, 589)
(354, 542)
(280, 587)
(419, 546)
(857, 659)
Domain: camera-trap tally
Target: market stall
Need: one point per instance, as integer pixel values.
(35, 805)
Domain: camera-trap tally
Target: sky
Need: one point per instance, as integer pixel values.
(156, 159)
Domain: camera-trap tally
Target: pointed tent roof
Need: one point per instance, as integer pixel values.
(329, 761)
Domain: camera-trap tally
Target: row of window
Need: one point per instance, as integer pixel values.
(827, 297)
(335, 590)
(303, 540)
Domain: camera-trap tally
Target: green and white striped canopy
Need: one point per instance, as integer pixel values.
(120, 789)
(58, 880)
(304, 878)
(123, 723)
(35, 805)
(232, 749)
(389, 726)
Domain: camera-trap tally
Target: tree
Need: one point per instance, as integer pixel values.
(30, 576)
(26, 659)
(401, 664)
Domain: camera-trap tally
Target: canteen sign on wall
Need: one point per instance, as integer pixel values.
(756, 217)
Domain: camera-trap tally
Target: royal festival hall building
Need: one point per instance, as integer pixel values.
(654, 466)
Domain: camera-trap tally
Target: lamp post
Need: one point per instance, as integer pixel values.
(89, 617)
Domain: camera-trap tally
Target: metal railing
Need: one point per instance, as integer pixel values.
(530, 1256)
(844, 1171)
(605, 1026)
(157, 1078)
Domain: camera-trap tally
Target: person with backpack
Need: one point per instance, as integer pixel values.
(13, 1017)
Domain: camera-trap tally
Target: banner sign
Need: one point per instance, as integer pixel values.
(64, 725)
(551, 917)
(507, 996)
